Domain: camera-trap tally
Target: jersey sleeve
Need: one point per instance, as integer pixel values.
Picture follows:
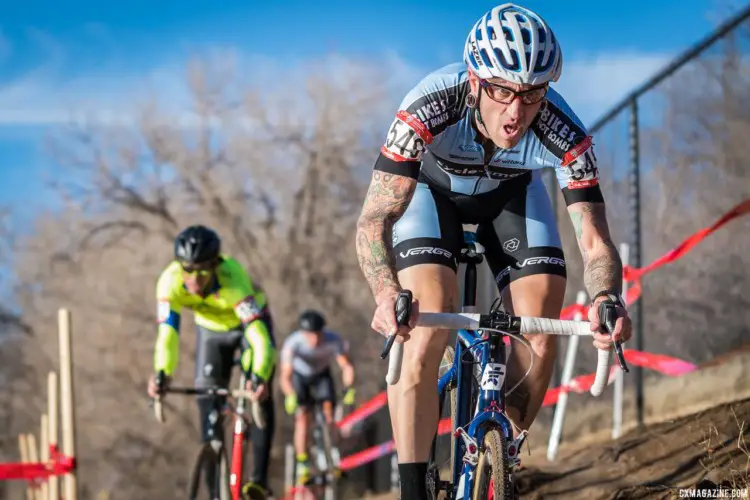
(578, 174)
(248, 300)
(249, 305)
(342, 345)
(423, 114)
(569, 149)
(288, 349)
(168, 308)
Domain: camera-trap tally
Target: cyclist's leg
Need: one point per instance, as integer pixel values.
(302, 422)
(325, 392)
(426, 239)
(525, 255)
(213, 365)
(262, 439)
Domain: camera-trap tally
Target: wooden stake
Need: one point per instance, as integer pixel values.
(44, 455)
(23, 447)
(33, 458)
(54, 481)
(67, 409)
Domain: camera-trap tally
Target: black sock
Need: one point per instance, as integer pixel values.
(413, 481)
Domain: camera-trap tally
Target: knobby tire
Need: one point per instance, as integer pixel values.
(493, 474)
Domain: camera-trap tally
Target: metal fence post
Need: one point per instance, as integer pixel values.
(636, 311)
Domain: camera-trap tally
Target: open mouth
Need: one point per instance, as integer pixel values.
(511, 130)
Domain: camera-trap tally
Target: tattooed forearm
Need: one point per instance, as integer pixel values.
(603, 272)
(602, 264)
(386, 201)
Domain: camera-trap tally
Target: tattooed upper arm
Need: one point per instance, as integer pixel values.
(603, 268)
(387, 197)
(386, 201)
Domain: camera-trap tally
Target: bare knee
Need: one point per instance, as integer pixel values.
(422, 356)
(544, 346)
(538, 295)
(328, 412)
(302, 418)
(433, 286)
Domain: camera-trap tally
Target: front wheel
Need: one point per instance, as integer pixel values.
(493, 476)
(209, 478)
(331, 465)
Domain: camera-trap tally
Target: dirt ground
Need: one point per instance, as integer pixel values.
(705, 449)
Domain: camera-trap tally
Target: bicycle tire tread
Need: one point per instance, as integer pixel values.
(499, 469)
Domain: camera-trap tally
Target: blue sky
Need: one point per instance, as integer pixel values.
(76, 55)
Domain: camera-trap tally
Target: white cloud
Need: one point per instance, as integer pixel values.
(46, 95)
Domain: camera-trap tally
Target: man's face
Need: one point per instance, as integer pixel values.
(507, 108)
(197, 276)
(313, 338)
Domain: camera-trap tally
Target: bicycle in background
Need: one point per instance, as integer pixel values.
(223, 479)
(325, 456)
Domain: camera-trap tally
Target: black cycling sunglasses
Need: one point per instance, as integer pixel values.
(202, 269)
(505, 95)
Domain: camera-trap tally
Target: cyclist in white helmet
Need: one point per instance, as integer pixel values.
(467, 146)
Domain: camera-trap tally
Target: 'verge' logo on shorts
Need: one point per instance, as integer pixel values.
(425, 250)
(542, 260)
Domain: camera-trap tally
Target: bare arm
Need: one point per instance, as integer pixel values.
(285, 380)
(601, 261)
(347, 369)
(386, 201)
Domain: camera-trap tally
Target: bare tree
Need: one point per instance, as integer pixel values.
(280, 175)
(694, 152)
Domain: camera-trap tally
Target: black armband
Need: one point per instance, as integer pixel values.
(592, 194)
(406, 168)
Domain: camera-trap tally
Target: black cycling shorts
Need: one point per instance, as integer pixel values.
(314, 388)
(516, 226)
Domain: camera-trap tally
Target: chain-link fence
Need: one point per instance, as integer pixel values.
(673, 156)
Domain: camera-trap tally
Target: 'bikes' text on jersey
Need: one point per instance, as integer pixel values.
(435, 128)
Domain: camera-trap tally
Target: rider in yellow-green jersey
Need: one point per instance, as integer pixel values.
(230, 312)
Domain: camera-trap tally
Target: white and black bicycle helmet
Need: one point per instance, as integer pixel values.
(515, 44)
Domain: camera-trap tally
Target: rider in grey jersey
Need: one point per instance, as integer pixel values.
(467, 146)
(306, 379)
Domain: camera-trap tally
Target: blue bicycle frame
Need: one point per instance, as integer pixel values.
(489, 351)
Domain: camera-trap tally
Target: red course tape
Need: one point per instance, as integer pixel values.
(58, 465)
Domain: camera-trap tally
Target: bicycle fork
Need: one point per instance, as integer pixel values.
(238, 441)
(471, 455)
(238, 445)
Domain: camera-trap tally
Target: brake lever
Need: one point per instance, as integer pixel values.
(608, 317)
(161, 382)
(403, 311)
(255, 381)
